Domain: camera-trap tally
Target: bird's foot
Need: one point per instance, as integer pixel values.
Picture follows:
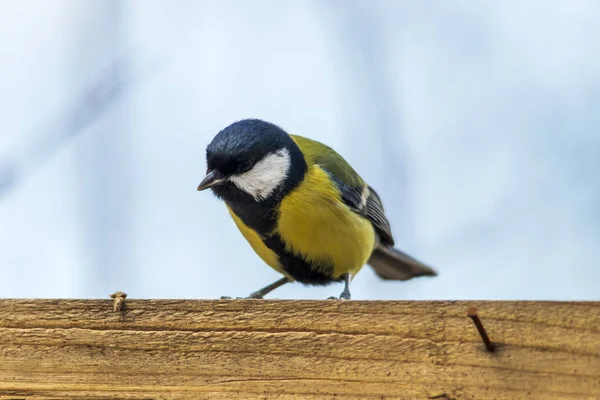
(252, 296)
(346, 292)
(343, 296)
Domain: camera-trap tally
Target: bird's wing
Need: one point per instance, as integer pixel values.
(355, 192)
(376, 214)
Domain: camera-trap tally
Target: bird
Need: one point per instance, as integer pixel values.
(302, 208)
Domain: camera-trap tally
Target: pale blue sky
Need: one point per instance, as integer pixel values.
(476, 121)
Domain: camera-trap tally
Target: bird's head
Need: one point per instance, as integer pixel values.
(252, 160)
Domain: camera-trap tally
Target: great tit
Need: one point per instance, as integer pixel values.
(302, 207)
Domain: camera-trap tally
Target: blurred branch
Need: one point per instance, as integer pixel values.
(119, 79)
(481, 233)
(8, 177)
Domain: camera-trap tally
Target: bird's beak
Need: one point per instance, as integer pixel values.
(211, 179)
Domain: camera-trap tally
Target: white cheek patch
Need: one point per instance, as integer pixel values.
(266, 176)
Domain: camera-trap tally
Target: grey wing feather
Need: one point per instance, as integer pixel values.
(374, 211)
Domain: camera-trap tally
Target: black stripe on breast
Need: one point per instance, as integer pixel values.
(297, 267)
(261, 217)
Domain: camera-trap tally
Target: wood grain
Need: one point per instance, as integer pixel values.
(280, 349)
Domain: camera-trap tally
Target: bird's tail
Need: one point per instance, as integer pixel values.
(392, 264)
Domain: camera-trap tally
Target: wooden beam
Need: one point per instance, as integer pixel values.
(280, 349)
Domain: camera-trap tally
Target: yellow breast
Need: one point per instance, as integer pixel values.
(314, 223)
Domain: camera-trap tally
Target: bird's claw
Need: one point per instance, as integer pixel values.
(241, 298)
(342, 297)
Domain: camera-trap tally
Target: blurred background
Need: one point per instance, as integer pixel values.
(478, 122)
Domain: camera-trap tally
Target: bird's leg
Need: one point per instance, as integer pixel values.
(260, 293)
(346, 292)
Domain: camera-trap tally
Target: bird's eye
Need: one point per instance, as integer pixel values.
(245, 166)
